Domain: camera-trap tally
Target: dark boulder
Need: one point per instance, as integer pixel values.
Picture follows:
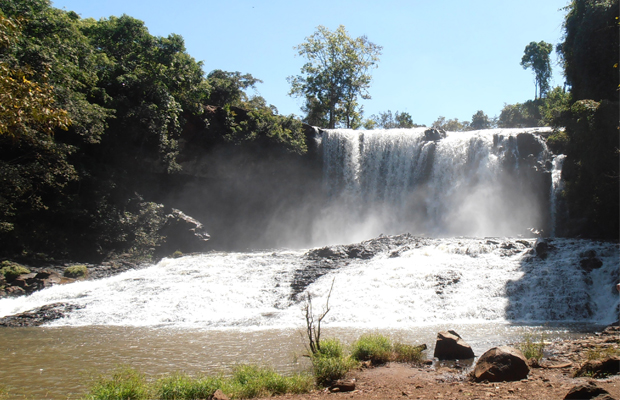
(589, 261)
(542, 248)
(434, 134)
(39, 316)
(182, 233)
(450, 346)
(528, 144)
(587, 391)
(500, 364)
(600, 368)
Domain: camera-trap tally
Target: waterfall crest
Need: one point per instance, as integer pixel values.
(478, 183)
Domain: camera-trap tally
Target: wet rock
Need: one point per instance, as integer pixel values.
(528, 144)
(589, 261)
(450, 346)
(39, 316)
(343, 386)
(600, 368)
(542, 248)
(588, 391)
(434, 134)
(182, 233)
(499, 364)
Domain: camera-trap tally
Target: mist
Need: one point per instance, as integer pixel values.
(356, 185)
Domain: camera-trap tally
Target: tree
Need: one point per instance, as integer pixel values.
(387, 120)
(229, 87)
(335, 76)
(480, 121)
(537, 57)
(451, 125)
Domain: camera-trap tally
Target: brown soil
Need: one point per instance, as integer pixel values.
(552, 380)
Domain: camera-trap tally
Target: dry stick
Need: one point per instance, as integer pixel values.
(314, 333)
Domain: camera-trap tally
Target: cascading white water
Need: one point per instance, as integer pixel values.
(556, 188)
(394, 181)
(421, 282)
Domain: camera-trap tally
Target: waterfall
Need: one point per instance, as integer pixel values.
(478, 183)
(395, 282)
(556, 189)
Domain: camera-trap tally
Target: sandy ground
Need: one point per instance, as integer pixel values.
(551, 381)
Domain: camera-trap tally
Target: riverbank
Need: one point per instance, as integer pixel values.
(552, 379)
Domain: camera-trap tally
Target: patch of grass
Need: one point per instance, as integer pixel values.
(327, 370)
(247, 381)
(4, 392)
(125, 383)
(530, 348)
(372, 347)
(599, 353)
(183, 386)
(76, 271)
(12, 270)
(407, 353)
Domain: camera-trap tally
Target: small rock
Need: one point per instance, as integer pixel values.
(450, 346)
(343, 386)
(218, 395)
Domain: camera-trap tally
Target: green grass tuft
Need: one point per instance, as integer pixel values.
(532, 349)
(76, 271)
(407, 353)
(125, 383)
(12, 270)
(373, 347)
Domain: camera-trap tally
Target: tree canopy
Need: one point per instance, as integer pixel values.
(335, 76)
(537, 57)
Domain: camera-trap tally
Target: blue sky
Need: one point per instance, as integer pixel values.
(446, 58)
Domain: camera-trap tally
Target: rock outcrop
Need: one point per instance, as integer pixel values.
(450, 346)
(499, 364)
(38, 316)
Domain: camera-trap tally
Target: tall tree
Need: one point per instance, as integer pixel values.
(537, 57)
(480, 121)
(335, 76)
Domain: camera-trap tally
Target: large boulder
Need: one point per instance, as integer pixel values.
(587, 391)
(500, 364)
(600, 368)
(450, 346)
(183, 233)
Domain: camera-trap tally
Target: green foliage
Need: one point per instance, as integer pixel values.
(532, 349)
(177, 254)
(247, 381)
(558, 142)
(335, 76)
(406, 353)
(228, 88)
(386, 120)
(590, 49)
(12, 270)
(372, 347)
(182, 386)
(480, 121)
(124, 384)
(451, 125)
(76, 271)
(600, 352)
(537, 57)
(331, 363)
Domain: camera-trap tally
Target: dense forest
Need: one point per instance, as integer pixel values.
(101, 123)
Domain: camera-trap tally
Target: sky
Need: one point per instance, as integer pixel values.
(446, 58)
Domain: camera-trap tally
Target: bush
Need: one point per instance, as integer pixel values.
(407, 353)
(330, 362)
(182, 386)
(376, 348)
(530, 348)
(76, 271)
(12, 270)
(250, 381)
(124, 384)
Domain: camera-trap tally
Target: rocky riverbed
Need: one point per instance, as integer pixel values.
(556, 376)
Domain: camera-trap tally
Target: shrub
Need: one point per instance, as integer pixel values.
(76, 271)
(331, 348)
(598, 353)
(124, 384)
(376, 348)
(182, 386)
(177, 254)
(329, 369)
(407, 353)
(250, 381)
(530, 348)
(12, 270)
